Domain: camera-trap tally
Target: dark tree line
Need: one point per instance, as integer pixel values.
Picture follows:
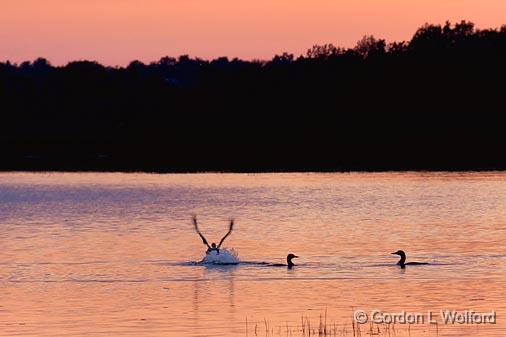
(435, 102)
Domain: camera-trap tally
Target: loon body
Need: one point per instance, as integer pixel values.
(402, 262)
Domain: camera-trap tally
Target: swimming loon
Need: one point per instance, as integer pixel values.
(402, 262)
(288, 264)
(289, 260)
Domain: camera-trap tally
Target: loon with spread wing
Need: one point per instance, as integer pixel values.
(213, 246)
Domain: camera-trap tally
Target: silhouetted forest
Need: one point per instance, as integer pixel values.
(433, 103)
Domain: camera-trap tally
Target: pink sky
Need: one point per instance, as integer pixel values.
(114, 32)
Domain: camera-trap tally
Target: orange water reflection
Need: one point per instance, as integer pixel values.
(110, 254)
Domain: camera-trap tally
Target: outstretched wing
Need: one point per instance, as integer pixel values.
(229, 231)
(198, 232)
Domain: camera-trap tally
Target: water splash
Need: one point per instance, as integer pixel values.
(226, 256)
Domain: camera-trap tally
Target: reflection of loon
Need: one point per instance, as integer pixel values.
(289, 262)
(213, 246)
(402, 262)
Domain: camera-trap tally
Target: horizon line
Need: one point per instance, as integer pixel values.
(253, 59)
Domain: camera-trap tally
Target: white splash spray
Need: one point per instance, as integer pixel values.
(226, 256)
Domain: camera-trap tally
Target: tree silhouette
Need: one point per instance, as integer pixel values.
(368, 46)
(434, 102)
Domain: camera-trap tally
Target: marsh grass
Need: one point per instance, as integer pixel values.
(330, 328)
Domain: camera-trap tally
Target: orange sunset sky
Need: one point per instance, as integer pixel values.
(114, 32)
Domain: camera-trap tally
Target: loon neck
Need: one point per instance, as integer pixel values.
(402, 261)
(289, 262)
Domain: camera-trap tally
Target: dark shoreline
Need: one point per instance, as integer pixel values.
(434, 103)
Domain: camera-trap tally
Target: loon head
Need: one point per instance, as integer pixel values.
(402, 255)
(289, 259)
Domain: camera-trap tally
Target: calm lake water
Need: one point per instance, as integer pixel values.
(101, 254)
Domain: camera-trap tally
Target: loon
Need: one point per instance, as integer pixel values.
(289, 260)
(213, 246)
(288, 264)
(402, 262)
